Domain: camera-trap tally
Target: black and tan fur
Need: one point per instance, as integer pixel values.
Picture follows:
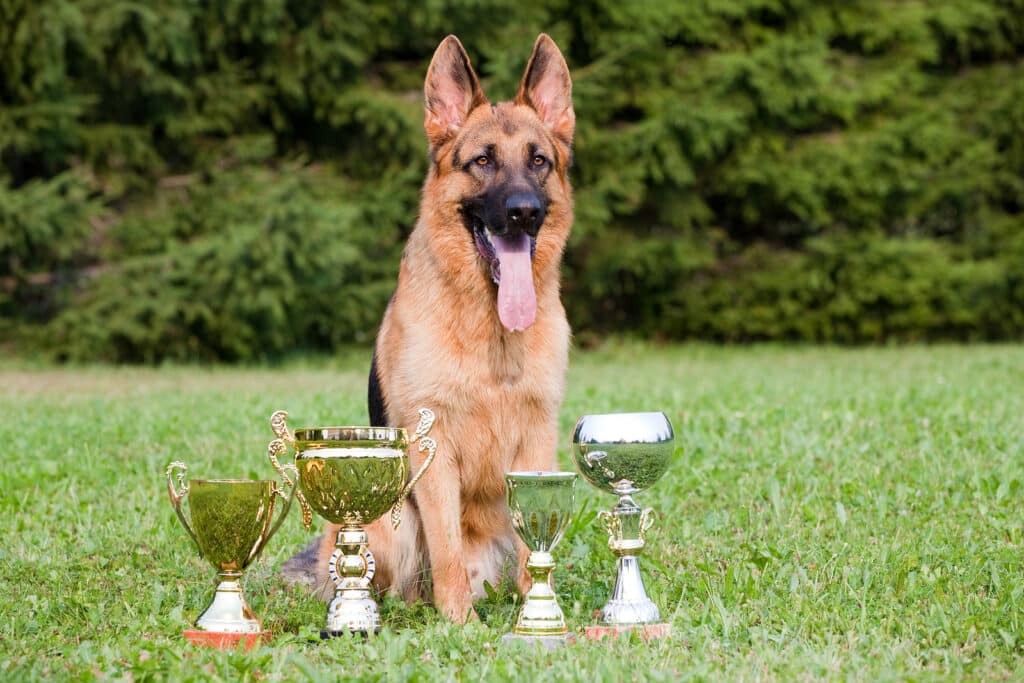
(441, 344)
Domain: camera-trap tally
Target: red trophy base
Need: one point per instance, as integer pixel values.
(644, 631)
(226, 641)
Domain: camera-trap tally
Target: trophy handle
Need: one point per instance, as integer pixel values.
(646, 521)
(279, 425)
(612, 525)
(279, 447)
(288, 492)
(178, 494)
(425, 444)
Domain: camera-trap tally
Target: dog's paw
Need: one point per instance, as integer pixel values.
(301, 568)
(456, 606)
(460, 614)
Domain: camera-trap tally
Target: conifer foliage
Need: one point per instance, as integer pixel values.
(234, 180)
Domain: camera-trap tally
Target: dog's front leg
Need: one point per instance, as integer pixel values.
(440, 504)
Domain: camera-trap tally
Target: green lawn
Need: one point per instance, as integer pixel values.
(829, 513)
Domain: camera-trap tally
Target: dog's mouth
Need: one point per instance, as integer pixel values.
(510, 260)
(484, 241)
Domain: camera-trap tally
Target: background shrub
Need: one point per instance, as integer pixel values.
(234, 180)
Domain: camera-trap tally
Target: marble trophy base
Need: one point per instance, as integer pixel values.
(226, 641)
(643, 631)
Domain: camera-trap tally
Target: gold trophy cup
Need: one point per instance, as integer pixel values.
(230, 521)
(541, 505)
(351, 476)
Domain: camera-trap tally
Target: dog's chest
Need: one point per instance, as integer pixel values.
(489, 403)
(485, 368)
(496, 397)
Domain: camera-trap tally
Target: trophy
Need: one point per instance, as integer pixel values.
(541, 505)
(230, 524)
(625, 453)
(351, 476)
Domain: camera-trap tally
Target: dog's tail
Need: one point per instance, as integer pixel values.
(301, 567)
(375, 397)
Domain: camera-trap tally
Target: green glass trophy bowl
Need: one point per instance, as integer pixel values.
(352, 476)
(230, 521)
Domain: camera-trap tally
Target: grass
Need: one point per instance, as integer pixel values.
(829, 514)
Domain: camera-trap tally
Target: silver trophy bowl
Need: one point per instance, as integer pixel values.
(623, 454)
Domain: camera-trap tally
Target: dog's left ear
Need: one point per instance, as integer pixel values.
(547, 88)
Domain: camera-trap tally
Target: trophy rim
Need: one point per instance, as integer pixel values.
(597, 417)
(350, 433)
(231, 481)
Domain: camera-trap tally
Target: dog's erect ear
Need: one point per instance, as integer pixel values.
(451, 91)
(547, 88)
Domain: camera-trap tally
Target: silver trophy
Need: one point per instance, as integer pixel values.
(625, 453)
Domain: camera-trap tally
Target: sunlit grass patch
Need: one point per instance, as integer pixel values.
(829, 513)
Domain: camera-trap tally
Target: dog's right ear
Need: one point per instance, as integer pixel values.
(451, 91)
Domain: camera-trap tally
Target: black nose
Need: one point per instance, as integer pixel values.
(523, 211)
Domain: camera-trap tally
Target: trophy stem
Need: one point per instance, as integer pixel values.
(229, 613)
(351, 567)
(541, 616)
(629, 604)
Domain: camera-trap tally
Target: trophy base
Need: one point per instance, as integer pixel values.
(643, 631)
(226, 641)
(548, 642)
(352, 612)
(327, 635)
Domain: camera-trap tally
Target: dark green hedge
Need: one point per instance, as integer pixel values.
(234, 180)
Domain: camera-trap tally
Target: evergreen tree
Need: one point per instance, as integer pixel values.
(233, 180)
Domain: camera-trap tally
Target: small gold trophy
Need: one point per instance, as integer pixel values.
(624, 453)
(541, 505)
(230, 524)
(351, 476)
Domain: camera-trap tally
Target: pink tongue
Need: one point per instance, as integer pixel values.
(517, 302)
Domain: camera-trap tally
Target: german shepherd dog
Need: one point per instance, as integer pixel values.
(476, 329)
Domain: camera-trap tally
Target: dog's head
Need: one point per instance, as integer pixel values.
(498, 186)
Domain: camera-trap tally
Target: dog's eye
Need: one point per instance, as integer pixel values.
(482, 160)
(539, 161)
